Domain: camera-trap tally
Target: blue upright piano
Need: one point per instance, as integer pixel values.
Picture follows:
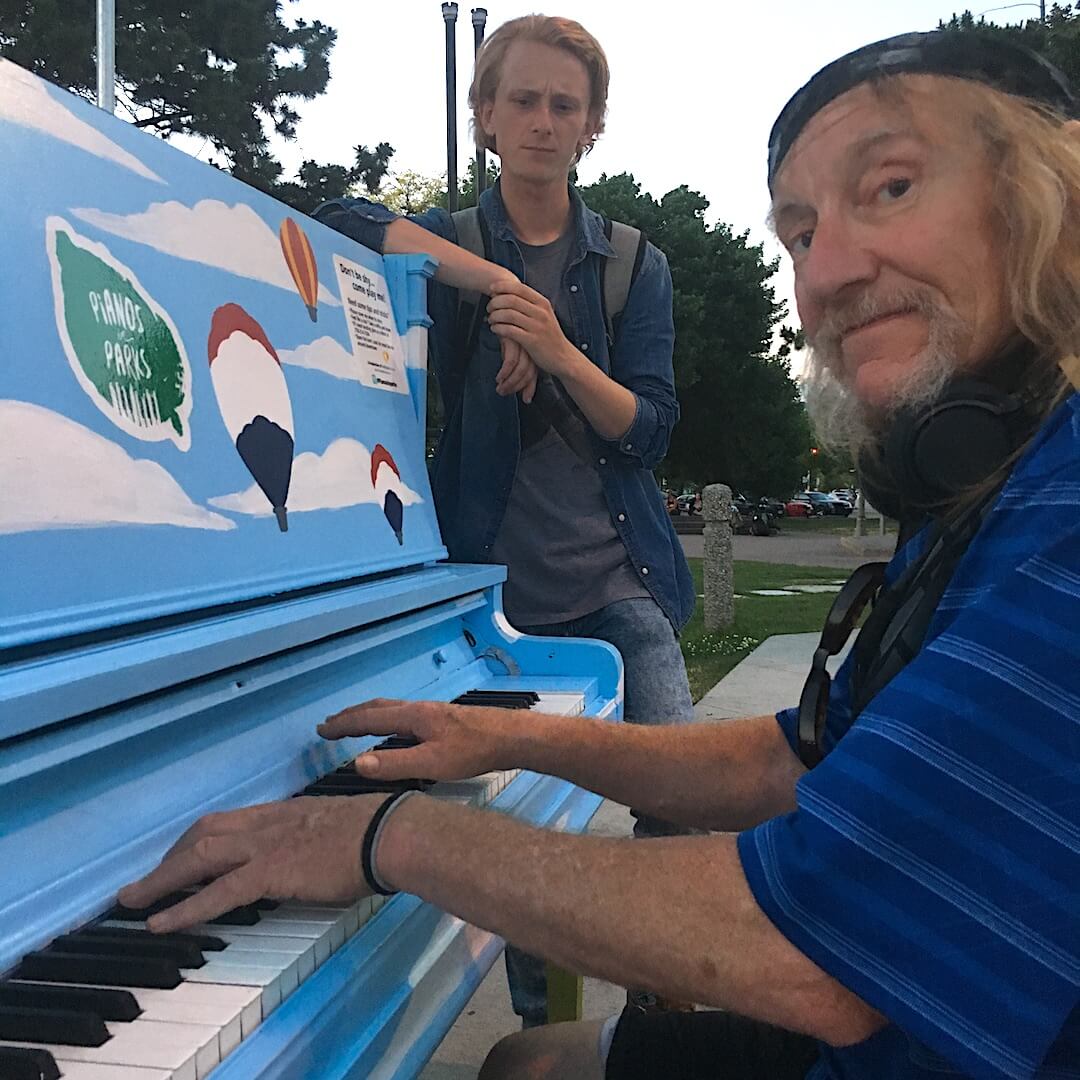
(216, 529)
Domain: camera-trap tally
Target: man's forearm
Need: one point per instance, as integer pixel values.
(727, 776)
(457, 267)
(564, 897)
(608, 406)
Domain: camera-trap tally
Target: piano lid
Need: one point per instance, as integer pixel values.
(205, 396)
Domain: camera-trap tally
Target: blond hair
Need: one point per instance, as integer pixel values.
(550, 30)
(1036, 197)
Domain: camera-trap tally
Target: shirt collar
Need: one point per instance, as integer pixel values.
(588, 225)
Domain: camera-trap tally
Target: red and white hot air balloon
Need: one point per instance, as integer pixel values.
(386, 480)
(254, 401)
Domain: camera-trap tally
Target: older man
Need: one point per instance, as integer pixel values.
(892, 892)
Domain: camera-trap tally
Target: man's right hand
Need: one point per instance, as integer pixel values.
(455, 741)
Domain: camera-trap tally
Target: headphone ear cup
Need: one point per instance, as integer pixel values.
(938, 452)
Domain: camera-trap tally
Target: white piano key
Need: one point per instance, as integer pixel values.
(236, 1011)
(302, 948)
(86, 1070)
(286, 964)
(560, 704)
(267, 980)
(186, 1051)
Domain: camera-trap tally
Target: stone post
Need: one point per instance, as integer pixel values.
(718, 569)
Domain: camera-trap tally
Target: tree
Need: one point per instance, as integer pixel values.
(743, 422)
(1058, 39)
(221, 70)
(410, 192)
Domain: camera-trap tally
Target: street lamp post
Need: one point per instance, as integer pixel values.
(449, 14)
(479, 21)
(106, 55)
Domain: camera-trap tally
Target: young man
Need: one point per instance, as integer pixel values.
(552, 430)
(906, 909)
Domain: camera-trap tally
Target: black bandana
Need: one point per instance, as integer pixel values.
(991, 60)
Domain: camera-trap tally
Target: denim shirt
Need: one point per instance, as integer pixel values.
(477, 455)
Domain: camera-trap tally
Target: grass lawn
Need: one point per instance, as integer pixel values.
(710, 656)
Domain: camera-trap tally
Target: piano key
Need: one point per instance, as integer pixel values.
(27, 1063)
(246, 915)
(203, 942)
(285, 965)
(102, 945)
(266, 979)
(51, 1025)
(185, 1051)
(108, 1004)
(85, 1070)
(91, 970)
(236, 1011)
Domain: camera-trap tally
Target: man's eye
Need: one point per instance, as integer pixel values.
(800, 243)
(896, 188)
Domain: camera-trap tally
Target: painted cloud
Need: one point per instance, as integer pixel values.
(339, 477)
(324, 354)
(232, 238)
(57, 474)
(25, 100)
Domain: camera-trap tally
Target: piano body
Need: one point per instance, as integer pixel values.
(215, 530)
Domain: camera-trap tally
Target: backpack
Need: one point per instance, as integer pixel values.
(629, 244)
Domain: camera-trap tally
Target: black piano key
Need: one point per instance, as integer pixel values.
(204, 942)
(87, 969)
(20, 1063)
(64, 1026)
(364, 787)
(108, 1004)
(248, 915)
(144, 913)
(266, 904)
(529, 697)
(182, 955)
(398, 742)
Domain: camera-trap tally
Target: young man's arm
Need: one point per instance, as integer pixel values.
(727, 776)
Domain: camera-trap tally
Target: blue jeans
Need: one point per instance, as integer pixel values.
(656, 692)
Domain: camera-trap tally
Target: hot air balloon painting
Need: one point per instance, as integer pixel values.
(301, 262)
(254, 402)
(384, 478)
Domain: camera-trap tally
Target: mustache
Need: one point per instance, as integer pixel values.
(843, 317)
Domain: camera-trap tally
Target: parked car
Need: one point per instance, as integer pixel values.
(689, 504)
(825, 504)
(798, 507)
(775, 507)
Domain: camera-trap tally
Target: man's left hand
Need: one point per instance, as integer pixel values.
(520, 314)
(301, 849)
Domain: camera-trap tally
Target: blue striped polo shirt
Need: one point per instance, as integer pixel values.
(932, 865)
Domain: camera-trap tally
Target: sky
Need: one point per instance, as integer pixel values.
(695, 86)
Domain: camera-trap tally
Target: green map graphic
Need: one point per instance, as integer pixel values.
(127, 352)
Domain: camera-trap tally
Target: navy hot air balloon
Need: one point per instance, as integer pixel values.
(386, 480)
(254, 401)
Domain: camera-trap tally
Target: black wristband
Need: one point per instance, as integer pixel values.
(367, 848)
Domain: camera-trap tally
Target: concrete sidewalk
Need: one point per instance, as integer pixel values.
(770, 678)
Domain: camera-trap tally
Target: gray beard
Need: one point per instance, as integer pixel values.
(838, 418)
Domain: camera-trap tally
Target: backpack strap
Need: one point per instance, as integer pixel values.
(617, 279)
(472, 235)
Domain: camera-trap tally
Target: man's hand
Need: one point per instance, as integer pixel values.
(455, 741)
(517, 374)
(302, 849)
(522, 315)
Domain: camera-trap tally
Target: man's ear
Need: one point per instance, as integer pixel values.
(486, 109)
(1072, 128)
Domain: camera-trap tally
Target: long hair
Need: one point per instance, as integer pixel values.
(551, 30)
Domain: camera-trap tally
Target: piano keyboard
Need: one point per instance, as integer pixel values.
(111, 1001)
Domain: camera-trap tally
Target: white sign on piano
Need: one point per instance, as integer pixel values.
(375, 340)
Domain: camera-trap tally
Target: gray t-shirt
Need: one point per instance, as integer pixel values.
(564, 558)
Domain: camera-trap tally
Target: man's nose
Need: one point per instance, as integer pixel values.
(839, 259)
(542, 119)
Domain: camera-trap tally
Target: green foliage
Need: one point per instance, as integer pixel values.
(1058, 39)
(743, 422)
(221, 70)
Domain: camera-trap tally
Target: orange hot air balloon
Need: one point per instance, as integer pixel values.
(301, 262)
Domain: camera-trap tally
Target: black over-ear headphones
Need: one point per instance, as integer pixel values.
(933, 453)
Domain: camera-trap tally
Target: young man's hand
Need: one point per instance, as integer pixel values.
(302, 849)
(520, 314)
(518, 373)
(455, 741)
